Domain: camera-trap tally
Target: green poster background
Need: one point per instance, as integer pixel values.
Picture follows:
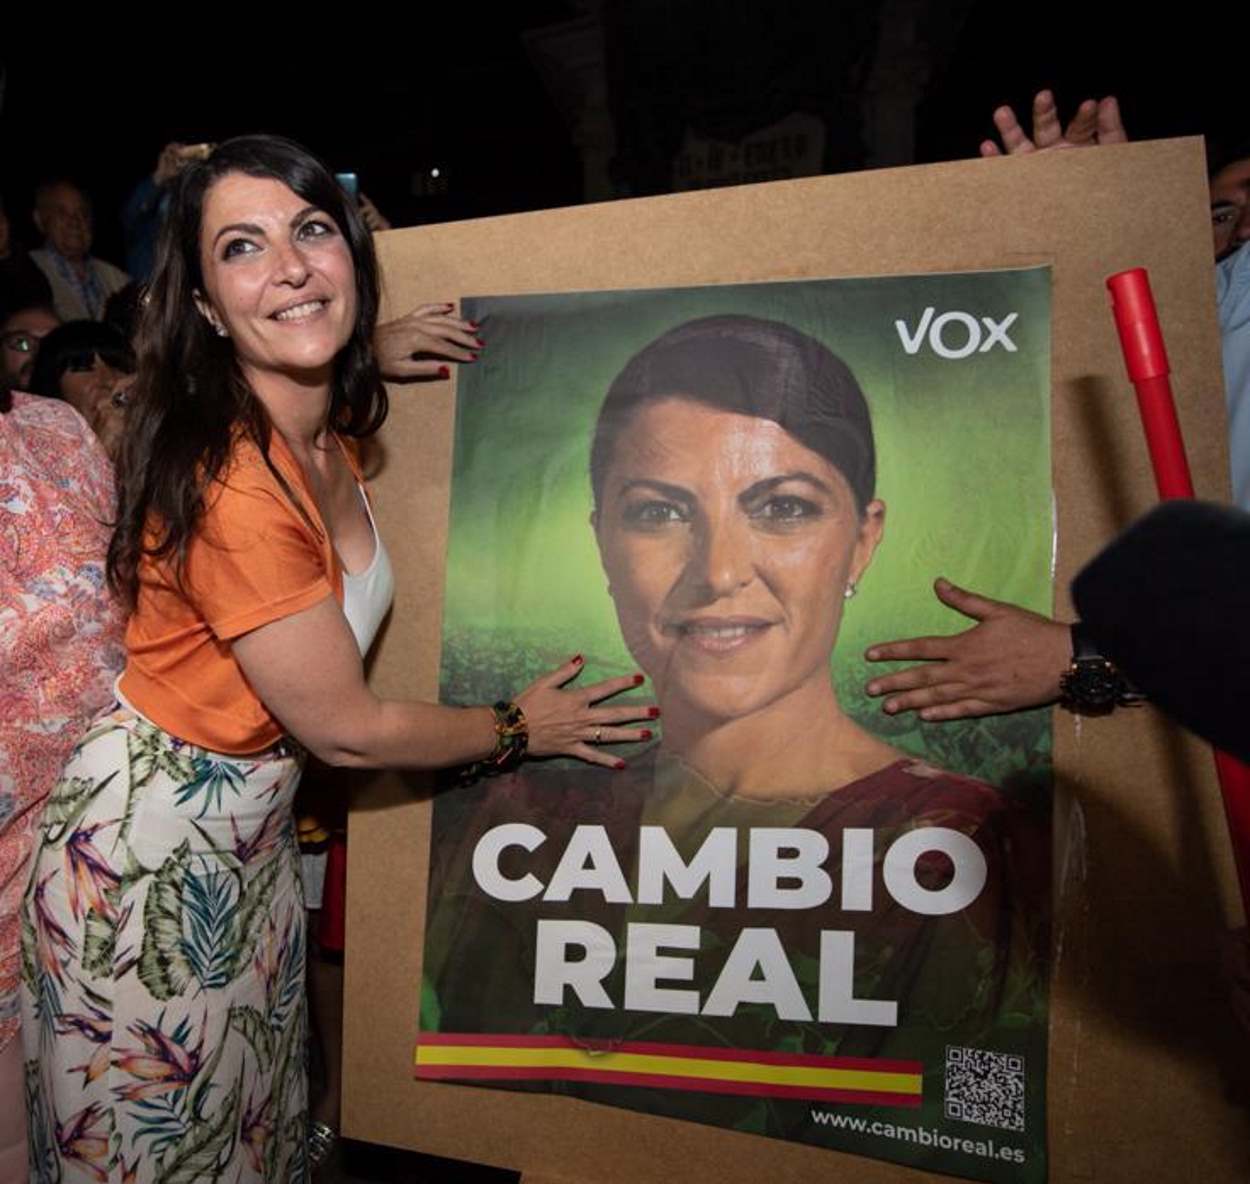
(963, 465)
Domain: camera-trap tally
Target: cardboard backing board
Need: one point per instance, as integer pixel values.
(1144, 1052)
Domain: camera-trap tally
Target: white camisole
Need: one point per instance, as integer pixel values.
(367, 595)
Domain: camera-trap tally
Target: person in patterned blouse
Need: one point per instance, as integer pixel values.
(60, 650)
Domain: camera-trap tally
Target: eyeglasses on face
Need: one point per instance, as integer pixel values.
(20, 341)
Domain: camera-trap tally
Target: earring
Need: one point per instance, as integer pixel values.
(851, 588)
(221, 331)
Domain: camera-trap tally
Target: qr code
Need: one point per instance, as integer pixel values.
(985, 1087)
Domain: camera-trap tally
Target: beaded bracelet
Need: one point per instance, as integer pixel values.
(512, 736)
(511, 740)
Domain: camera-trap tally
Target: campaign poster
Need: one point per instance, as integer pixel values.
(790, 914)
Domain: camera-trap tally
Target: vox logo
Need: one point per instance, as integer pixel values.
(954, 335)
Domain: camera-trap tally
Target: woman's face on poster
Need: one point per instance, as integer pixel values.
(728, 547)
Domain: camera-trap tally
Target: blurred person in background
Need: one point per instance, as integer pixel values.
(80, 282)
(91, 367)
(1230, 199)
(21, 333)
(144, 210)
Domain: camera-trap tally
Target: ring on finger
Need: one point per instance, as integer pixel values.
(598, 735)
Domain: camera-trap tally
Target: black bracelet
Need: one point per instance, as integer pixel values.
(512, 737)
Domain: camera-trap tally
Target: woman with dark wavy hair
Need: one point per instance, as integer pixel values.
(91, 366)
(163, 929)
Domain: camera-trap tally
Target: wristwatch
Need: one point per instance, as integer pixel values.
(1092, 685)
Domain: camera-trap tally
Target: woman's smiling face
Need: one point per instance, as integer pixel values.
(278, 275)
(728, 546)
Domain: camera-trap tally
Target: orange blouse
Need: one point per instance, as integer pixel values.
(254, 559)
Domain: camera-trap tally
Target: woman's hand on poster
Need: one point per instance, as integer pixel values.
(1009, 660)
(1097, 121)
(420, 344)
(566, 721)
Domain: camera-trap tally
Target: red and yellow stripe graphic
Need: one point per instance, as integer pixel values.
(458, 1056)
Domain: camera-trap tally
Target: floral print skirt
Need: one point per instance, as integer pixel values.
(163, 1007)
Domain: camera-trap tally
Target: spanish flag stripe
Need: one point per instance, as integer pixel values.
(653, 1048)
(611, 1064)
(663, 1081)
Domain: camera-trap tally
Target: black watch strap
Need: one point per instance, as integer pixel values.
(1084, 647)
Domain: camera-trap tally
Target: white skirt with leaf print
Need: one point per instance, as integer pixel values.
(163, 1008)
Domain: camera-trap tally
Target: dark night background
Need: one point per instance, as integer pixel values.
(466, 94)
(495, 97)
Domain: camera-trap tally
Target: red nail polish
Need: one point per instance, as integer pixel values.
(653, 713)
(480, 343)
(619, 766)
(646, 733)
(639, 680)
(444, 372)
(578, 659)
(474, 325)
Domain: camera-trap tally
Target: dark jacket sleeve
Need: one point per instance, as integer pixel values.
(1169, 602)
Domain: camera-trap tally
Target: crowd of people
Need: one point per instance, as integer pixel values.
(191, 580)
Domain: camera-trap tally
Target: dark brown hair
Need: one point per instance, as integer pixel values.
(749, 366)
(190, 398)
